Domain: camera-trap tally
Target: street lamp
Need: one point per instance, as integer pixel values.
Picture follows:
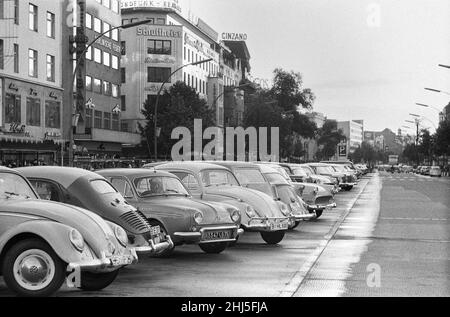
(414, 115)
(438, 91)
(74, 75)
(214, 104)
(155, 118)
(445, 66)
(428, 106)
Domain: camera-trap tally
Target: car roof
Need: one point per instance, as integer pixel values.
(233, 164)
(133, 172)
(194, 166)
(66, 176)
(317, 164)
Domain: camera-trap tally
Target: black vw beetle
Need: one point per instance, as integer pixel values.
(91, 191)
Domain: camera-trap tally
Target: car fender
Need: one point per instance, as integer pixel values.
(54, 233)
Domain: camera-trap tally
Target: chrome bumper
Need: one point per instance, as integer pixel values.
(265, 223)
(303, 217)
(197, 237)
(155, 248)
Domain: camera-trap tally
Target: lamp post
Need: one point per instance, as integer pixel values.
(445, 66)
(155, 118)
(438, 91)
(74, 75)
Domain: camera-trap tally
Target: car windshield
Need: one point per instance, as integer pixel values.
(339, 168)
(159, 186)
(102, 187)
(298, 171)
(308, 170)
(13, 186)
(249, 176)
(218, 178)
(276, 178)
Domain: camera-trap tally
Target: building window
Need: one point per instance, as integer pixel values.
(115, 35)
(97, 86)
(12, 108)
(98, 119)
(106, 59)
(115, 90)
(106, 88)
(51, 68)
(115, 122)
(52, 114)
(115, 6)
(123, 75)
(88, 83)
(123, 103)
(97, 25)
(123, 45)
(160, 21)
(189, 55)
(158, 74)
(89, 53)
(89, 21)
(2, 54)
(16, 58)
(107, 3)
(88, 118)
(32, 63)
(33, 17)
(16, 12)
(106, 28)
(107, 120)
(159, 47)
(114, 62)
(124, 126)
(33, 112)
(97, 55)
(50, 25)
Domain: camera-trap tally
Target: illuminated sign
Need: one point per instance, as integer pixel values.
(159, 32)
(234, 36)
(161, 4)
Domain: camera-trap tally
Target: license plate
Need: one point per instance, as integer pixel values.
(155, 231)
(217, 235)
(279, 226)
(121, 260)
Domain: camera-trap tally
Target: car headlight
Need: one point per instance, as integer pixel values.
(76, 239)
(284, 208)
(198, 217)
(250, 211)
(235, 215)
(121, 236)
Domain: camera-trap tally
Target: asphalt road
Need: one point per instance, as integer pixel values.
(397, 226)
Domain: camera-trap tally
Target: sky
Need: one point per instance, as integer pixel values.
(363, 59)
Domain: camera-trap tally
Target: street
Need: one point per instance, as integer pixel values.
(389, 236)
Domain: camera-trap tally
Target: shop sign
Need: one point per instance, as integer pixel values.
(13, 86)
(52, 135)
(53, 95)
(199, 46)
(33, 92)
(152, 88)
(155, 59)
(234, 37)
(342, 150)
(158, 32)
(108, 44)
(165, 4)
(16, 129)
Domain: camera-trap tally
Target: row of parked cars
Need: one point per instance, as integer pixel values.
(433, 171)
(65, 224)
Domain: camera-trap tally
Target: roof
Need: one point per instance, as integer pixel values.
(66, 176)
(195, 166)
(133, 172)
(234, 164)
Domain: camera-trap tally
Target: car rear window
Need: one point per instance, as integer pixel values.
(102, 187)
(249, 176)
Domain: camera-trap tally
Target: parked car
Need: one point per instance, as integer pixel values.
(435, 171)
(350, 178)
(347, 164)
(166, 203)
(211, 182)
(88, 190)
(301, 173)
(326, 170)
(426, 170)
(286, 193)
(316, 197)
(40, 241)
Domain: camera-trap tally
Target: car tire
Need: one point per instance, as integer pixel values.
(297, 223)
(32, 252)
(168, 252)
(213, 248)
(97, 281)
(274, 237)
(319, 213)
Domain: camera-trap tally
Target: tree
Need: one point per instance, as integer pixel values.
(178, 107)
(442, 139)
(365, 153)
(328, 139)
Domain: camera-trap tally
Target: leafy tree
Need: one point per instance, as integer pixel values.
(442, 138)
(178, 107)
(328, 139)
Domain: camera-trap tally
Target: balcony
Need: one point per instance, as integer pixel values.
(112, 136)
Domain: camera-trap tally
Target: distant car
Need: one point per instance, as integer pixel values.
(347, 164)
(435, 171)
(211, 182)
(88, 190)
(299, 171)
(426, 170)
(326, 170)
(40, 241)
(350, 179)
(165, 202)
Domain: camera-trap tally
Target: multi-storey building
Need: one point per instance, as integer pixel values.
(354, 132)
(31, 83)
(96, 116)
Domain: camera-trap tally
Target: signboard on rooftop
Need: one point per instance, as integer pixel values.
(160, 4)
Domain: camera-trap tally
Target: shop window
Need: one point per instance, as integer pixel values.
(52, 114)
(107, 120)
(124, 126)
(34, 112)
(12, 108)
(97, 119)
(115, 122)
(88, 118)
(159, 47)
(158, 74)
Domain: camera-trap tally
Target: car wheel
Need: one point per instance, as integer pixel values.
(31, 268)
(297, 223)
(97, 281)
(274, 237)
(167, 252)
(213, 248)
(319, 213)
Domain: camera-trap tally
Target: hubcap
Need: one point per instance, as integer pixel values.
(34, 269)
